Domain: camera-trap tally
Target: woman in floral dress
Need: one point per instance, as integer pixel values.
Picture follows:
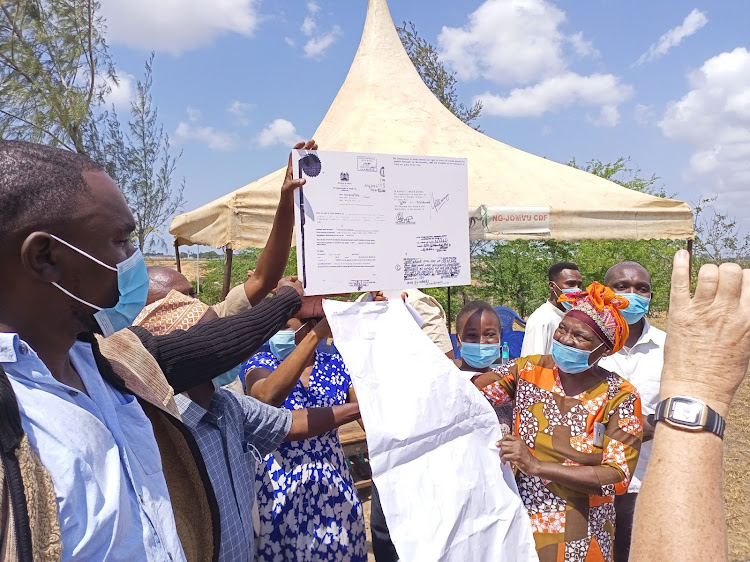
(577, 430)
(309, 507)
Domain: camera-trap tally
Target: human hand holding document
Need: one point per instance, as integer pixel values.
(380, 221)
(430, 434)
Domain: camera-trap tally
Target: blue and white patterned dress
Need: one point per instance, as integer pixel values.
(309, 507)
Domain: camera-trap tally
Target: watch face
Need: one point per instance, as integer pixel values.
(686, 411)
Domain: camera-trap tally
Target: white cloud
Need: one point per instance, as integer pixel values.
(318, 41)
(120, 94)
(609, 116)
(510, 42)
(176, 26)
(317, 46)
(308, 26)
(240, 110)
(672, 38)
(213, 139)
(560, 92)
(520, 45)
(583, 47)
(713, 117)
(643, 113)
(279, 131)
(193, 114)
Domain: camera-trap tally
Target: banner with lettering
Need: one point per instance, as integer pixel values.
(509, 220)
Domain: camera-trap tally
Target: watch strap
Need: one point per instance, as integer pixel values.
(714, 422)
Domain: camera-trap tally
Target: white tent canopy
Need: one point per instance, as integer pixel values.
(383, 106)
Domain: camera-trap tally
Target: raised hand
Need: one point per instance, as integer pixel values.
(290, 184)
(708, 336)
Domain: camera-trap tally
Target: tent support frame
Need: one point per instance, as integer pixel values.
(177, 256)
(227, 273)
(449, 310)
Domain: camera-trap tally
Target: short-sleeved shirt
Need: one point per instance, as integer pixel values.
(233, 437)
(641, 366)
(568, 524)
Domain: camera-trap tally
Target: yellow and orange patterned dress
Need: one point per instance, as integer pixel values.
(569, 525)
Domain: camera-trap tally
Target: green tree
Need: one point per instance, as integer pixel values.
(442, 83)
(620, 173)
(141, 162)
(514, 272)
(718, 235)
(54, 70)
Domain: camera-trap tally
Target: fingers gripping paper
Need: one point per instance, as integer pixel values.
(445, 494)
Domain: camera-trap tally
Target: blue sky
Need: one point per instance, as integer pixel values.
(666, 84)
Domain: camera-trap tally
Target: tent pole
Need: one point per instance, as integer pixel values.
(449, 310)
(690, 251)
(227, 273)
(177, 255)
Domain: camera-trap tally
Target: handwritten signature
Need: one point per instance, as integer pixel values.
(401, 219)
(438, 203)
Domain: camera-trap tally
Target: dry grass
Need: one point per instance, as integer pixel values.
(737, 474)
(188, 266)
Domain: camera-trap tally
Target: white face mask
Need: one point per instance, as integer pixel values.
(132, 282)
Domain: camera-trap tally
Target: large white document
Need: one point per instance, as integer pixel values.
(380, 222)
(430, 433)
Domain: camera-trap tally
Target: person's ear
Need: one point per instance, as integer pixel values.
(38, 257)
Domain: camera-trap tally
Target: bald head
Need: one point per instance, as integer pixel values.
(629, 277)
(164, 279)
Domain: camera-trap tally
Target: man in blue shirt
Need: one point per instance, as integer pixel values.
(69, 269)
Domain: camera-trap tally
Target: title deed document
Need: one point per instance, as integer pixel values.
(367, 222)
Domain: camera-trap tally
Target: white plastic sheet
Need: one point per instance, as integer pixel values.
(445, 494)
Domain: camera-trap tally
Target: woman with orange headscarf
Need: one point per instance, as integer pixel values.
(577, 429)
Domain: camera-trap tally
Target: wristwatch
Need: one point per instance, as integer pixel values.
(689, 414)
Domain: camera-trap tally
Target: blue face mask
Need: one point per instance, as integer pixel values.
(480, 355)
(637, 308)
(226, 378)
(282, 344)
(571, 360)
(132, 283)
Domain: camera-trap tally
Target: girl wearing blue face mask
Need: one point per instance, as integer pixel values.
(577, 428)
(478, 329)
(308, 503)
